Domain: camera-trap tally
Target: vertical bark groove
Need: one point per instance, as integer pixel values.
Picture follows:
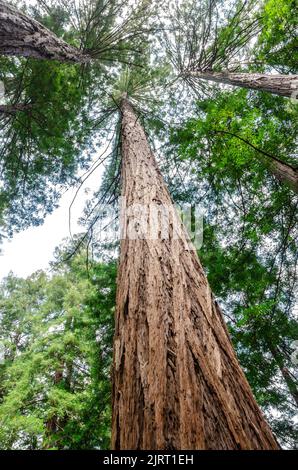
(283, 85)
(180, 385)
(23, 36)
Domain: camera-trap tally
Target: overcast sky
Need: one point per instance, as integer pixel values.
(32, 249)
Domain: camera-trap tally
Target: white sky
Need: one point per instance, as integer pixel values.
(33, 248)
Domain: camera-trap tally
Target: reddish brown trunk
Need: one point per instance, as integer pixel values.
(177, 383)
(23, 36)
(283, 85)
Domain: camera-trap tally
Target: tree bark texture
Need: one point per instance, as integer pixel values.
(283, 85)
(285, 173)
(23, 36)
(177, 383)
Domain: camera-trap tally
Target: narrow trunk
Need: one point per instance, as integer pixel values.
(283, 85)
(14, 108)
(53, 422)
(282, 171)
(177, 383)
(292, 386)
(23, 36)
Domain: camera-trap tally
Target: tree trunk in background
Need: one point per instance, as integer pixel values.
(14, 108)
(283, 85)
(285, 173)
(282, 171)
(53, 421)
(177, 383)
(23, 36)
(291, 384)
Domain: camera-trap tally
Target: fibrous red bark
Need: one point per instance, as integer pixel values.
(177, 383)
(21, 35)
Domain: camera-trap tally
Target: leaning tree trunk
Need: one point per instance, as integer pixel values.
(285, 173)
(291, 384)
(177, 383)
(23, 36)
(282, 171)
(283, 85)
(14, 108)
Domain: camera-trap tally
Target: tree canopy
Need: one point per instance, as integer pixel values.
(230, 150)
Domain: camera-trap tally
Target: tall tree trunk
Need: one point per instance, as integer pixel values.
(23, 36)
(291, 384)
(282, 171)
(177, 383)
(283, 85)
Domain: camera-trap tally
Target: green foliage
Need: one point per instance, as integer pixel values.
(210, 34)
(41, 148)
(45, 145)
(57, 329)
(250, 240)
(141, 86)
(267, 123)
(277, 44)
(57, 332)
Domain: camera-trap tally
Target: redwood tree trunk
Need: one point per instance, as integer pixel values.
(23, 36)
(283, 85)
(177, 383)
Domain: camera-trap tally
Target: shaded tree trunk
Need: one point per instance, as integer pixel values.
(14, 108)
(284, 172)
(177, 383)
(283, 85)
(53, 422)
(291, 384)
(23, 36)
